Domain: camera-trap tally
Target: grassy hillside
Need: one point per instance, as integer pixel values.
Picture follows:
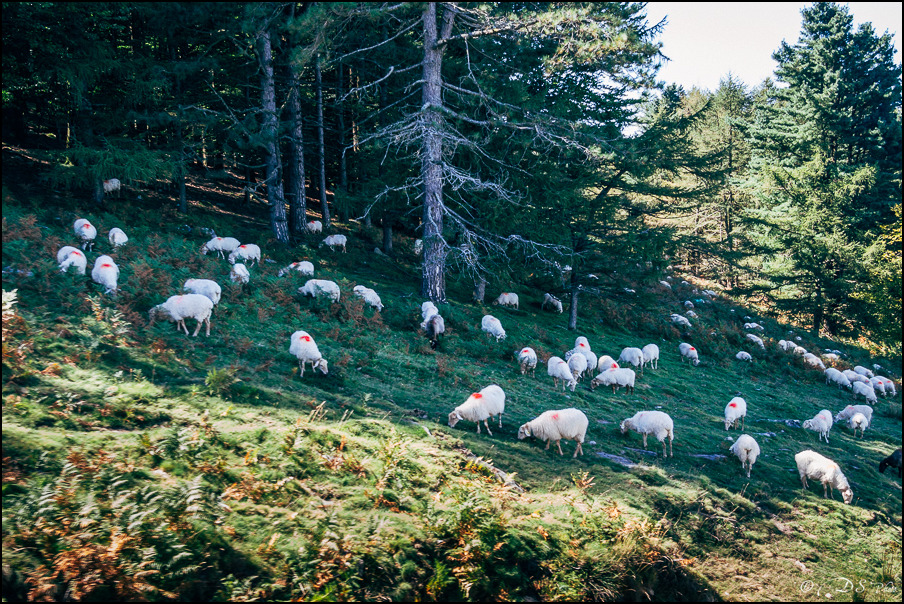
(141, 463)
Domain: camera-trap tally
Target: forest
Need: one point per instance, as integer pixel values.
(450, 153)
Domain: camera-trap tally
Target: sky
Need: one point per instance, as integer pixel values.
(707, 40)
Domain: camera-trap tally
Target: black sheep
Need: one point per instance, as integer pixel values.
(893, 460)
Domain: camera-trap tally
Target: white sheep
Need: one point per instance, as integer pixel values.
(186, 306)
(527, 360)
(666, 285)
(743, 356)
(304, 267)
(691, 314)
(651, 355)
(117, 237)
(553, 302)
(106, 273)
(86, 232)
(369, 296)
(863, 371)
(314, 226)
(559, 370)
(479, 407)
(317, 288)
(811, 464)
(632, 356)
(855, 377)
(72, 256)
(681, 321)
(657, 423)
(814, 361)
(850, 410)
(435, 326)
(492, 327)
(205, 287)
(303, 346)
(578, 365)
(606, 362)
(878, 385)
(821, 423)
(239, 274)
(616, 377)
(507, 299)
(220, 245)
(689, 352)
(428, 309)
(334, 241)
(865, 390)
(246, 252)
(786, 345)
(582, 343)
(888, 385)
(418, 247)
(756, 340)
(858, 421)
(112, 185)
(747, 450)
(555, 425)
(688, 305)
(735, 410)
(833, 376)
(753, 326)
(799, 350)
(831, 356)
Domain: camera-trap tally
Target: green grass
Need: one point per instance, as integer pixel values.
(212, 461)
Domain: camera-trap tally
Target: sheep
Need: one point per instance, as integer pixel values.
(239, 274)
(888, 385)
(606, 362)
(632, 356)
(334, 241)
(527, 359)
(220, 245)
(753, 326)
(71, 256)
(811, 464)
(553, 302)
(821, 422)
(691, 314)
(743, 356)
(418, 247)
(863, 371)
(688, 305)
(479, 407)
(185, 306)
(833, 376)
(747, 450)
(507, 299)
(657, 423)
(850, 410)
(428, 309)
(205, 287)
(117, 237)
(370, 296)
(304, 348)
(735, 410)
(435, 327)
(689, 352)
(830, 356)
(617, 377)
(581, 343)
(878, 385)
(492, 327)
(651, 355)
(799, 350)
(314, 226)
(855, 377)
(112, 185)
(106, 273)
(555, 425)
(317, 288)
(578, 365)
(756, 340)
(681, 321)
(858, 420)
(786, 345)
(864, 389)
(814, 361)
(893, 460)
(559, 370)
(86, 232)
(304, 267)
(246, 252)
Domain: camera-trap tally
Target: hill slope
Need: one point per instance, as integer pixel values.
(141, 463)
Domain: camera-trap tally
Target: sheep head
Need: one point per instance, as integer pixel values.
(524, 432)
(454, 418)
(322, 365)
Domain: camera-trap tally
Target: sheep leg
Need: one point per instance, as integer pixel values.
(559, 445)
(742, 422)
(182, 323)
(500, 420)
(486, 425)
(644, 442)
(547, 446)
(803, 481)
(197, 329)
(577, 450)
(207, 321)
(301, 367)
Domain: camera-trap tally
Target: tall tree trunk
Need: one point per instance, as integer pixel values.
(433, 284)
(273, 167)
(325, 209)
(573, 309)
(480, 290)
(387, 235)
(298, 203)
(343, 168)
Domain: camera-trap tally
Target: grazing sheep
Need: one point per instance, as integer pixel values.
(559, 370)
(246, 252)
(606, 362)
(507, 299)
(850, 410)
(632, 356)
(492, 327)
(888, 385)
(334, 241)
(799, 350)
(479, 407)
(743, 356)
(833, 376)
(811, 464)
(220, 245)
(577, 363)
(304, 267)
(756, 340)
(893, 460)
(814, 361)
(527, 359)
(370, 296)
(688, 305)
(615, 377)
(428, 309)
(651, 355)
(552, 301)
(786, 345)
(304, 348)
(853, 376)
(555, 425)
(878, 384)
(735, 410)
(117, 237)
(186, 306)
(679, 320)
(858, 421)
(753, 326)
(239, 274)
(205, 287)
(317, 288)
(864, 389)
(821, 422)
(86, 232)
(830, 356)
(747, 450)
(71, 256)
(434, 326)
(314, 226)
(689, 352)
(106, 273)
(863, 371)
(657, 423)
(112, 185)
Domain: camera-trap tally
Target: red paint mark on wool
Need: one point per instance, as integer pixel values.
(582, 344)
(242, 246)
(525, 351)
(106, 266)
(76, 252)
(732, 404)
(692, 348)
(476, 395)
(219, 239)
(555, 416)
(86, 226)
(305, 338)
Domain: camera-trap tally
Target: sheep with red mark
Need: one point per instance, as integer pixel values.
(479, 407)
(72, 256)
(304, 348)
(86, 232)
(735, 410)
(553, 426)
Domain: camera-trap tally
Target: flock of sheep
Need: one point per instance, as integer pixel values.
(202, 295)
